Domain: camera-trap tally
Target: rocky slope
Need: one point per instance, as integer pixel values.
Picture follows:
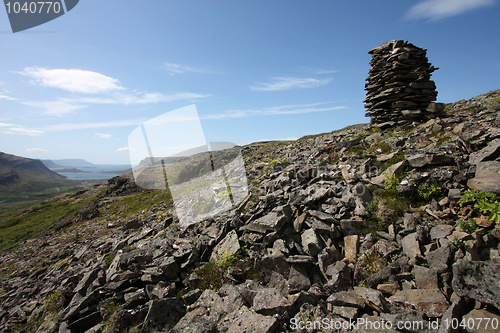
(342, 231)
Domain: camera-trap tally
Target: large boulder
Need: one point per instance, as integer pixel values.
(273, 221)
(487, 177)
(478, 280)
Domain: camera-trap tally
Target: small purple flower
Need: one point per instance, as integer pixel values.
(358, 268)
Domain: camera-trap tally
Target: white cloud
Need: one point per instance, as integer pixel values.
(318, 71)
(84, 81)
(106, 124)
(159, 97)
(440, 9)
(173, 68)
(64, 106)
(273, 111)
(103, 136)
(141, 98)
(8, 98)
(325, 71)
(7, 128)
(123, 149)
(56, 108)
(36, 150)
(287, 83)
(74, 80)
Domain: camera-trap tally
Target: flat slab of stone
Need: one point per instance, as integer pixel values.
(340, 276)
(388, 288)
(344, 311)
(272, 221)
(351, 246)
(247, 320)
(489, 323)
(310, 242)
(430, 301)
(478, 280)
(194, 322)
(411, 246)
(441, 231)
(421, 160)
(439, 258)
(346, 298)
(395, 169)
(425, 278)
(322, 216)
(373, 298)
(487, 177)
(353, 226)
(456, 310)
(298, 279)
(300, 259)
(457, 234)
(269, 301)
(490, 152)
(226, 247)
(386, 248)
(164, 314)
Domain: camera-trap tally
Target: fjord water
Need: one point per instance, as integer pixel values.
(98, 171)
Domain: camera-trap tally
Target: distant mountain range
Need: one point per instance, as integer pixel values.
(214, 146)
(67, 163)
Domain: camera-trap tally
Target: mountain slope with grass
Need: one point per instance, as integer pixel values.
(18, 171)
(25, 181)
(397, 223)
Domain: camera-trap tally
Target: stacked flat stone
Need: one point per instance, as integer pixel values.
(399, 88)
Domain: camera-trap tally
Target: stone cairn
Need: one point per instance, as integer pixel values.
(399, 88)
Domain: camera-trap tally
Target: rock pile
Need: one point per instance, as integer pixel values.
(399, 88)
(356, 225)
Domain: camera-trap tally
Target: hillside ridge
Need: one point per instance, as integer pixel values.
(400, 224)
(14, 168)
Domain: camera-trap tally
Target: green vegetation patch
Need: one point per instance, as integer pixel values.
(13, 198)
(367, 265)
(54, 302)
(431, 191)
(483, 202)
(214, 274)
(17, 227)
(387, 205)
(393, 160)
(134, 203)
(385, 209)
(468, 226)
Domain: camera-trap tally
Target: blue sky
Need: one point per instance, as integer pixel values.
(77, 86)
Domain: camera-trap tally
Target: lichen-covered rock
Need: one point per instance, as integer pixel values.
(477, 280)
(430, 301)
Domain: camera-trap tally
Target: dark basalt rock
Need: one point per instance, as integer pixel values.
(398, 87)
(477, 280)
